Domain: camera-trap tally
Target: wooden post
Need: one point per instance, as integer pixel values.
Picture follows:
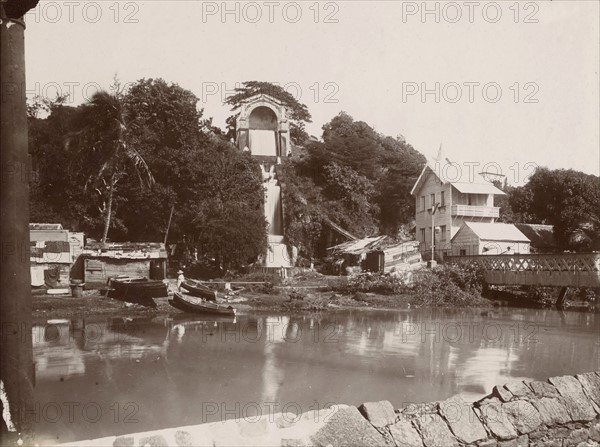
(560, 302)
(169, 225)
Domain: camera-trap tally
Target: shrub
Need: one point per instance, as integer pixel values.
(309, 302)
(449, 285)
(270, 281)
(371, 282)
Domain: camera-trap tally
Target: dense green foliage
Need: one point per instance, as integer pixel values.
(567, 199)
(443, 286)
(88, 161)
(449, 286)
(356, 178)
(222, 219)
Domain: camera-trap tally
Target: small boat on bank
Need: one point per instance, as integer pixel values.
(136, 289)
(198, 289)
(193, 304)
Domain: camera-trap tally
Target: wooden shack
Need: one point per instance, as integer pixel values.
(377, 254)
(396, 257)
(103, 261)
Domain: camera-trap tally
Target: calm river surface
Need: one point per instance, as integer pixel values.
(97, 378)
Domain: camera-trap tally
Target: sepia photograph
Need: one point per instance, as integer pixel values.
(300, 223)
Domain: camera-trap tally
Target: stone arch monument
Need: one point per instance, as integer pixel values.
(263, 130)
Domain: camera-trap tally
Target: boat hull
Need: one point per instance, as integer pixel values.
(199, 290)
(137, 290)
(192, 304)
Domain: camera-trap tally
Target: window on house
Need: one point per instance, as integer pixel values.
(432, 200)
(443, 233)
(469, 199)
(422, 233)
(422, 203)
(463, 252)
(442, 199)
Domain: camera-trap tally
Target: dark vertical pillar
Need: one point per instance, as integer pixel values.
(243, 139)
(16, 360)
(560, 302)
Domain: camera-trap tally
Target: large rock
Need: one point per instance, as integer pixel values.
(462, 420)
(518, 389)
(543, 389)
(551, 410)
(591, 385)
(523, 416)
(502, 393)
(405, 434)
(348, 427)
(379, 414)
(577, 403)
(496, 421)
(154, 441)
(435, 431)
(575, 437)
(124, 441)
(595, 432)
(521, 441)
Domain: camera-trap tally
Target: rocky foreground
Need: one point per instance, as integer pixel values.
(561, 411)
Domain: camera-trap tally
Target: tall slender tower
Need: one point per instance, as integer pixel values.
(263, 130)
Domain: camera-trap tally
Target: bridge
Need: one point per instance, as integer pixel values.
(550, 270)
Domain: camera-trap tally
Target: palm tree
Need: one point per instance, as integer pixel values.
(106, 141)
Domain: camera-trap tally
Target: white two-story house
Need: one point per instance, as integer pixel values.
(461, 197)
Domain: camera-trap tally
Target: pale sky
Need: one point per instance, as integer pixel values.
(518, 85)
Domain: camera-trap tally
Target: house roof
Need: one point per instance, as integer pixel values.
(45, 226)
(477, 188)
(125, 250)
(340, 230)
(494, 231)
(541, 236)
(359, 246)
(461, 177)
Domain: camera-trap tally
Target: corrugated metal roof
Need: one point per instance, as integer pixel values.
(126, 250)
(360, 246)
(478, 188)
(45, 226)
(496, 232)
(340, 230)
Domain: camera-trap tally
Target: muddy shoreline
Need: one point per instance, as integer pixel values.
(94, 304)
(315, 298)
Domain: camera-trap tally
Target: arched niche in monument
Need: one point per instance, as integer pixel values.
(263, 127)
(263, 118)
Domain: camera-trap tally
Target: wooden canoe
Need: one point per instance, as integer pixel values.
(194, 304)
(198, 289)
(136, 289)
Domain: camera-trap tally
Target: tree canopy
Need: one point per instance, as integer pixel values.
(192, 172)
(356, 178)
(567, 199)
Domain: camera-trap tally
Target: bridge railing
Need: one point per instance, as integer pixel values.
(560, 269)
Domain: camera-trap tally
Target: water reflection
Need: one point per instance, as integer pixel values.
(146, 374)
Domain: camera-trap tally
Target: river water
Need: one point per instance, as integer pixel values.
(103, 377)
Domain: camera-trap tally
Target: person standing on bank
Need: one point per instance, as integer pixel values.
(180, 279)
